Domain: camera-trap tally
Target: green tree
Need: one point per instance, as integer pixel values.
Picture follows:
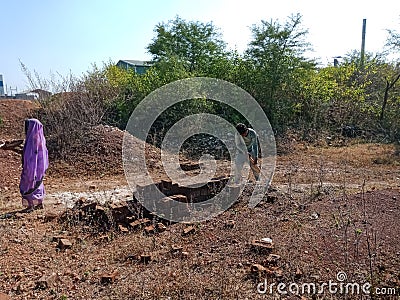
(194, 44)
(276, 53)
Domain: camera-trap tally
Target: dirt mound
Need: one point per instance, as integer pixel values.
(13, 113)
(12, 116)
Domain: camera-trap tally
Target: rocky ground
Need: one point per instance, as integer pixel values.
(332, 212)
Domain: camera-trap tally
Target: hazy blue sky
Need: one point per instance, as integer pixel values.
(64, 36)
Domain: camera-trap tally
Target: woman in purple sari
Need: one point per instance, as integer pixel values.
(34, 165)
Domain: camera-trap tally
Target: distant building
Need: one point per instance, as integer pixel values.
(40, 94)
(138, 66)
(1, 86)
(37, 94)
(24, 96)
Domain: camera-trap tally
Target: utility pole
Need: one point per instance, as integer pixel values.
(363, 44)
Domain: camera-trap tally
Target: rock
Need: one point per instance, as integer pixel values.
(123, 229)
(273, 259)
(140, 223)
(108, 278)
(298, 274)
(64, 244)
(145, 258)
(57, 238)
(161, 227)
(278, 273)
(188, 230)
(50, 216)
(47, 281)
(262, 246)
(271, 199)
(230, 224)
(176, 249)
(255, 268)
(260, 271)
(150, 229)
(104, 239)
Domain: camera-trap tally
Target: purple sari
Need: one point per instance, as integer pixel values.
(34, 164)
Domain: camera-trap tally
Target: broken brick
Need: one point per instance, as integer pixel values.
(104, 238)
(50, 216)
(150, 229)
(123, 229)
(188, 230)
(179, 198)
(57, 238)
(262, 246)
(145, 258)
(260, 270)
(298, 273)
(273, 259)
(47, 281)
(255, 268)
(139, 223)
(185, 254)
(64, 244)
(161, 227)
(109, 277)
(176, 249)
(230, 224)
(120, 212)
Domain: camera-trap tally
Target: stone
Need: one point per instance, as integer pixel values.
(104, 238)
(140, 223)
(188, 230)
(262, 246)
(64, 244)
(120, 212)
(259, 270)
(255, 268)
(145, 258)
(50, 216)
(108, 278)
(150, 229)
(161, 227)
(184, 254)
(57, 238)
(176, 249)
(230, 224)
(123, 229)
(273, 259)
(298, 274)
(47, 281)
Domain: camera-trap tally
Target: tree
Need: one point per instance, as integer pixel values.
(196, 45)
(276, 52)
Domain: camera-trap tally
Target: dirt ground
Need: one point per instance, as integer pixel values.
(333, 214)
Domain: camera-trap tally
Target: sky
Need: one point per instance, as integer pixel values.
(70, 36)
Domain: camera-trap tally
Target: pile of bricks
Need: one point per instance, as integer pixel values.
(131, 214)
